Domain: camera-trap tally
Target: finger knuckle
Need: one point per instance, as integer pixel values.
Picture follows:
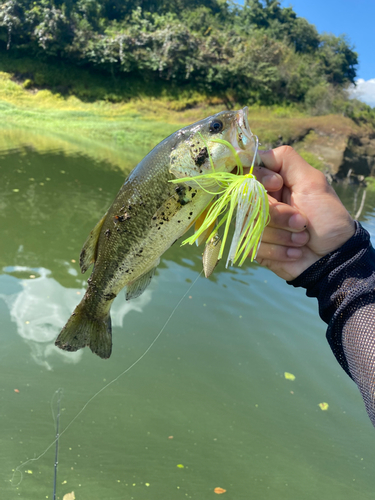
(286, 150)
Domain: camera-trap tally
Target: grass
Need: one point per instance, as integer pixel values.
(120, 119)
(312, 159)
(370, 184)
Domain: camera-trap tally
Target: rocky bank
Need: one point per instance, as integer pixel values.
(343, 148)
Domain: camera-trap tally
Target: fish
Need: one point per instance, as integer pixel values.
(148, 215)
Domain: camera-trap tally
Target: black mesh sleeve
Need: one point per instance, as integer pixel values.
(344, 284)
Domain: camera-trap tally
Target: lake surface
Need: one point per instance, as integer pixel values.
(208, 406)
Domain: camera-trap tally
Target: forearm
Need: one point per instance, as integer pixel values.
(358, 340)
(344, 284)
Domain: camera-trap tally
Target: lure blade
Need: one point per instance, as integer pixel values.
(211, 255)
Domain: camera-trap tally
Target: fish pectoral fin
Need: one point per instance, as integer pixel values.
(168, 209)
(89, 250)
(211, 255)
(138, 286)
(206, 233)
(199, 221)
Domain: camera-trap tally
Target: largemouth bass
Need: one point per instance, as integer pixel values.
(148, 215)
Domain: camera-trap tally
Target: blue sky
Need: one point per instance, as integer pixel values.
(356, 19)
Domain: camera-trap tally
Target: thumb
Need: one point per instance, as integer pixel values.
(295, 171)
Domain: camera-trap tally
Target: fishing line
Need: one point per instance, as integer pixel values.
(59, 391)
(35, 459)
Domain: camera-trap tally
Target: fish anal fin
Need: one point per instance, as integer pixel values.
(89, 249)
(138, 286)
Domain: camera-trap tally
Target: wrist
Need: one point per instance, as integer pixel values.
(317, 266)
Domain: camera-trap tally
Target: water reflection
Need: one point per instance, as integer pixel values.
(48, 205)
(215, 379)
(41, 306)
(358, 200)
(39, 141)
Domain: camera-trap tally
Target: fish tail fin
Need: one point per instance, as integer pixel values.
(83, 330)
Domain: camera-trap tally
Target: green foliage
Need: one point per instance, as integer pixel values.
(370, 184)
(311, 159)
(358, 111)
(283, 23)
(259, 53)
(338, 59)
(324, 98)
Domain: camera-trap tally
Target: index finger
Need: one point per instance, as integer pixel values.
(292, 167)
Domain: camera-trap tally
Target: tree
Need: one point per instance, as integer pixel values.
(338, 59)
(261, 52)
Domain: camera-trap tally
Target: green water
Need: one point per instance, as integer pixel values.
(214, 379)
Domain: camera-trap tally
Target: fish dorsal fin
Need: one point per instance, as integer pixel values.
(211, 255)
(89, 249)
(138, 286)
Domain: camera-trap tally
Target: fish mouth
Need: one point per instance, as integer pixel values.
(243, 140)
(243, 137)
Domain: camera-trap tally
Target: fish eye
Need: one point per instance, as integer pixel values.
(216, 126)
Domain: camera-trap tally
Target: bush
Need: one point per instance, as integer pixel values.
(259, 53)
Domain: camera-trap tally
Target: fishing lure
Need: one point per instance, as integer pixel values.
(238, 195)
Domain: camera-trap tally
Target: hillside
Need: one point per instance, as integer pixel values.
(117, 77)
(258, 53)
(124, 132)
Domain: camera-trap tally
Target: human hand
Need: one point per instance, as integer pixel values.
(304, 199)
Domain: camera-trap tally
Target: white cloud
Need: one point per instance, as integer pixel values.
(364, 91)
(42, 306)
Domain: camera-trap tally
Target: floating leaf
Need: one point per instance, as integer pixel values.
(180, 466)
(69, 496)
(323, 406)
(29, 471)
(289, 376)
(219, 491)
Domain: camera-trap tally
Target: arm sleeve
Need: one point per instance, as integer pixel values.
(344, 284)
